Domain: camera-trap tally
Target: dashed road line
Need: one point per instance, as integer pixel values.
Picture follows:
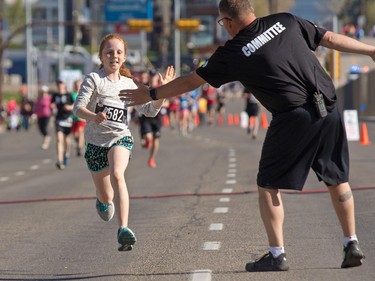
(216, 226)
(34, 167)
(3, 179)
(221, 210)
(211, 246)
(224, 200)
(22, 173)
(231, 182)
(227, 190)
(201, 275)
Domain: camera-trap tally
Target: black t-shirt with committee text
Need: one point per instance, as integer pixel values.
(272, 57)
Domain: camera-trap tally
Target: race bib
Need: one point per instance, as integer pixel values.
(67, 123)
(116, 112)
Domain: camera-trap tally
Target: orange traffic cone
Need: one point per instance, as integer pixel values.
(165, 120)
(264, 122)
(230, 119)
(236, 119)
(364, 140)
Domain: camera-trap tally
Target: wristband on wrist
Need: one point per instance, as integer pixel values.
(153, 93)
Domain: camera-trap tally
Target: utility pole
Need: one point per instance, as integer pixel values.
(29, 50)
(177, 39)
(61, 38)
(272, 6)
(1, 50)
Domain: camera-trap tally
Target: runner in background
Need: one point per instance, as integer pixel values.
(42, 111)
(150, 127)
(78, 128)
(252, 110)
(209, 93)
(62, 107)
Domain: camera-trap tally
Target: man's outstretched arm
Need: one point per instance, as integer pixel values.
(178, 86)
(344, 43)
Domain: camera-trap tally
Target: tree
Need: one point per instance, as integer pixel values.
(12, 14)
(263, 8)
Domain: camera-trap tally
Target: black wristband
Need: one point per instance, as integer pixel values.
(153, 94)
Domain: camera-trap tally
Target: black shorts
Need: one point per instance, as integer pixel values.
(64, 126)
(150, 125)
(252, 109)
(297, 141)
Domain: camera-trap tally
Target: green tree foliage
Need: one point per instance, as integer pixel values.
(15, 14)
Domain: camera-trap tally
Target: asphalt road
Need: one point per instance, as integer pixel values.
(195, 215)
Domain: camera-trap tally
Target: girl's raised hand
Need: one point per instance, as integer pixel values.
(168, 76)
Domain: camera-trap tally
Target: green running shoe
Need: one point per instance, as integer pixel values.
(105, 212)
(126, 238)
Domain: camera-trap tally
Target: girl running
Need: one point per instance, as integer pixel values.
(109, 141)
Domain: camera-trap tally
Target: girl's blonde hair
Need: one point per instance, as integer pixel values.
(123, 70)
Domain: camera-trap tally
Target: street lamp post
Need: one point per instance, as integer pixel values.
(29, 50)
(177, 39)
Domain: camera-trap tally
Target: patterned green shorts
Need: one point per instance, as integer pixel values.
(96, 156)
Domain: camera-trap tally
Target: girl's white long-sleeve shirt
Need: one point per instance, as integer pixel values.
(98, 93)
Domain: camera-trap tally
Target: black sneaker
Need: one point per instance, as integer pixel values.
(268, 263)
(353, 255)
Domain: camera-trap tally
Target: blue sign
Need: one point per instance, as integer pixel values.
(123, 10)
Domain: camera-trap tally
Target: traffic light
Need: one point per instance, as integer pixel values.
(188, 24)
(140, 24)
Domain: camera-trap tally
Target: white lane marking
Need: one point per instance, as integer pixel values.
(211, 246)
(232, 159)
(231, 182)
(201, 275)
(34, 167)
(227, 190)
(221, 210)
(232, 165)
(224, 200)
(231, 175)
(232, 171)
(19, 173)
(2, 179)
(216, 226)
(46, 161)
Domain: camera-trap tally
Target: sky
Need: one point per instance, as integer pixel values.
(315, 11)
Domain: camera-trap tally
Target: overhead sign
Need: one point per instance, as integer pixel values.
(123, 10)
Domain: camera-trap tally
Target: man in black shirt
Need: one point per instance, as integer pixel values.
(272, 57)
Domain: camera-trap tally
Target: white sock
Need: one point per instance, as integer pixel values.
(350, 238)
(276, 251)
